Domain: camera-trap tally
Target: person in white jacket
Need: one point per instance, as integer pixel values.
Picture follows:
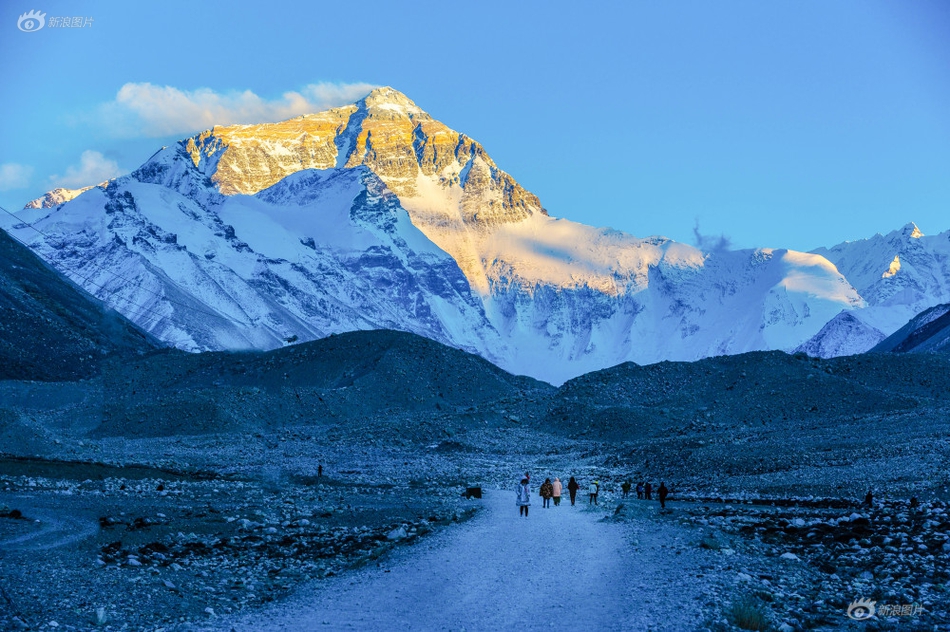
(523, 498)
(557, 491)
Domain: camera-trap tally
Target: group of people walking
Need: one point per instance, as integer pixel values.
(645, 491)
(551, 490)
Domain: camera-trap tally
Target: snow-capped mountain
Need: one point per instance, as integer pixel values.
(845, 334)
(376, 215)
(899, 275)
(54, 198)
(318, 253)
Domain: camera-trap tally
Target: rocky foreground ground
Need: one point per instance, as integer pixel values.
(174, 546)
(87, 547)
(169, 489)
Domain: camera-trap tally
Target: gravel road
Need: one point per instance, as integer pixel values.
(562, 568)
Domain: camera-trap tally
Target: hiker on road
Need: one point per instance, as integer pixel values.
(640, 491)
(523, 498)
(556, 486)
(572, 488)
(547, 492)
(648, 491)
(663, 492)
(593, 490)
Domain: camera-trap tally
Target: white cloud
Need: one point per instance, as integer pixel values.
(14, 176)
(146, 110)
(92, 169)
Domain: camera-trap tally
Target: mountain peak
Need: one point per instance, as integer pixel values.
(911, 230)
(390, 99)
(59, 196)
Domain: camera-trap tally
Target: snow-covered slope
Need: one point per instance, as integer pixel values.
(929, 331)
(54, 198)
(845, 334)
(899, 275)
(50, 330)
(320, 252)
(376, 215)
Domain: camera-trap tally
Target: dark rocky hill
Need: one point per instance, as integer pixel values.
(393, 376)
(50, 330)
(767, 420)
(753, 388)
(929, 331)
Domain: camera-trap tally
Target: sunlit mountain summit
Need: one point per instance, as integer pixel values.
(375, 215)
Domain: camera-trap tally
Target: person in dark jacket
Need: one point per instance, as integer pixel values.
(547, 492)
(572, 488)
(625, 488)
(640, 490)
(663, 492)
(648, 491)
(869, 499)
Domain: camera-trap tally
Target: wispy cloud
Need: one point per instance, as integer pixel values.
(710, 243)
(92, 169)
(146, 110)
(14, 176)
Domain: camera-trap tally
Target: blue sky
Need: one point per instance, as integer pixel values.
(778, 124)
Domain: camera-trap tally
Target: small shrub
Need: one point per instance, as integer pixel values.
(749, 614)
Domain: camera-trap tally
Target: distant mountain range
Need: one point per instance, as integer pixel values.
(376, 216)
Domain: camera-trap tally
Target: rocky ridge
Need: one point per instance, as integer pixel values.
(929, 331)
(51, 329)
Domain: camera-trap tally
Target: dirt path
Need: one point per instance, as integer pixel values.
(562, 568)
(44, 528)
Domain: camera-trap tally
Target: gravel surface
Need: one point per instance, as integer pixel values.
(563, 567)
